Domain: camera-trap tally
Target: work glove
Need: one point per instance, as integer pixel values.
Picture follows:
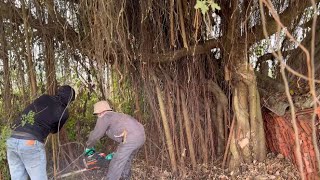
(109, 156)
(89, 151)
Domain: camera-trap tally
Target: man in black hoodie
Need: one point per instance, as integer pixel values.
(25, 148)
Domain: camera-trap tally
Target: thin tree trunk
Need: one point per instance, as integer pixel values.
(22, 81)
(66, 66)
(6, 76)
(21, 72)
(209, 139)
(138, 114)
(172, 123)
(51, 86)
(261, 150)
(203, 145)
(220, 128)
(50, 65)
(54, 154)
(181, 136)
(222, 104)
(188, 128)
(166, 126)
(30, 65)
(182, 26)
(171, 17)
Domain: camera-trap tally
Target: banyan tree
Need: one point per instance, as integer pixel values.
(197, 73)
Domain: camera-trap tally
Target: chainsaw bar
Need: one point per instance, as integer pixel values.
(73, 173)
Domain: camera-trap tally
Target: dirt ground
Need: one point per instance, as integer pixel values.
(274, 167)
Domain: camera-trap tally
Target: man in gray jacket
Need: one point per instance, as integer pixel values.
(121, 128)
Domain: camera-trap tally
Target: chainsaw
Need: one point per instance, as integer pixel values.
(93, 162)
(96, 161)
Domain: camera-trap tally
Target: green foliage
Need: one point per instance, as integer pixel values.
(259, 51)
(81, 115)
(123, 95)
(204, 6)
(70, 126)
(28, 118)
(124, 98)
(5, 133)
(261, 48)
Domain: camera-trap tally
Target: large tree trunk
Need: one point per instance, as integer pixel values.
(248, 139)
(247, 142)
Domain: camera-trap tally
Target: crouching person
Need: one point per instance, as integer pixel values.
(122, 128)
(25, 148)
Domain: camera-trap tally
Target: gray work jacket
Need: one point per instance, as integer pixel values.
(113, 124)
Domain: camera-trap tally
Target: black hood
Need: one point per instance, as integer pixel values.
(66, 94)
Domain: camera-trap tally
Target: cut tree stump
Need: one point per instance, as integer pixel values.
(280, 138)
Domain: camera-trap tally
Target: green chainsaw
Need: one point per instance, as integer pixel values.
(92, 161)
(97, 161)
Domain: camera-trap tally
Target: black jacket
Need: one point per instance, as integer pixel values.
(50, 114)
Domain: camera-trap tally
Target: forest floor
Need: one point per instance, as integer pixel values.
(274, 167)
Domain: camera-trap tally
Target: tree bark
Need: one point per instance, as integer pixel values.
(222, 105)
(244, 144)
(21, 73)
(6, 75)
(210, 131)
(50, 65)
(51, 86)
(173, 125)
(197, 119)
(181, 135)
(188, 128)
(30, 64)
(166, 126)
(241, 110)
